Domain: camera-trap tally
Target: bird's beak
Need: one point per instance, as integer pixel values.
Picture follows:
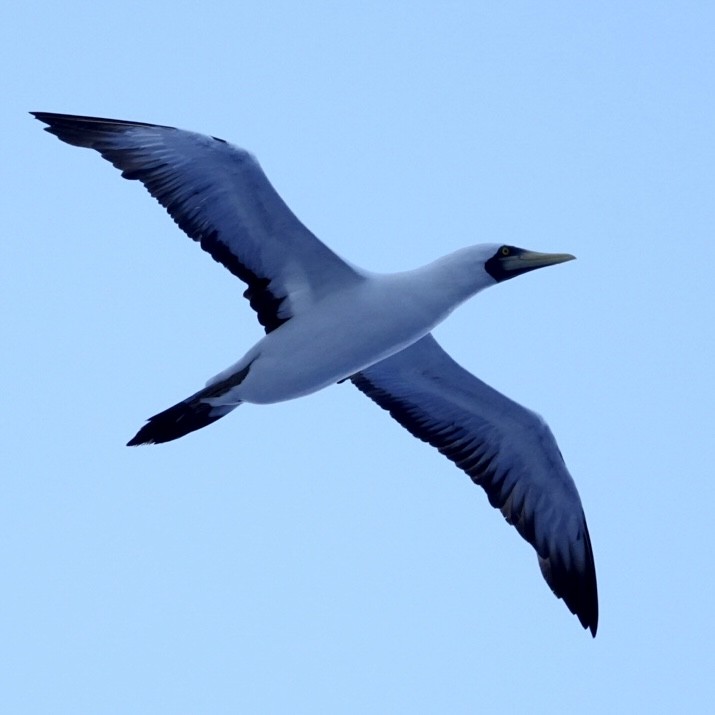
(524, 261)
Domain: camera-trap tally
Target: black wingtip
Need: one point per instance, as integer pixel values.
(587, 610)
(576, 586)
(589, 616)
(84, 131)
(73, 129)
(59, 118)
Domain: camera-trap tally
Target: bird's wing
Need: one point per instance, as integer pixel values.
(506, 449)
(219, 195)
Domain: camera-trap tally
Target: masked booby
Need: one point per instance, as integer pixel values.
(327, 321)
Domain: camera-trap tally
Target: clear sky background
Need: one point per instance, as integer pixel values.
(313, 556)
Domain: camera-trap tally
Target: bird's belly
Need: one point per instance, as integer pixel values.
(313, 351)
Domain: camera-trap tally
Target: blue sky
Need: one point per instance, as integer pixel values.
(312, 556)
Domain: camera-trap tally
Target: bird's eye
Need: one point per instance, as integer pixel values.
(505, 250)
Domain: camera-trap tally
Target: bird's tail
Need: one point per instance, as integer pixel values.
(193, 413)
(182, 418)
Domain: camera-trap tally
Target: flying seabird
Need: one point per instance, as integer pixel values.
(327, 321)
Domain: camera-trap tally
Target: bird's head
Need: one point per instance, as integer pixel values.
(509, 261)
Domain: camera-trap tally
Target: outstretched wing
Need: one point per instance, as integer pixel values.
(506, 449)
(219, 195)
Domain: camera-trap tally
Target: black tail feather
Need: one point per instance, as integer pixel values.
(177, 421)
(190, 414)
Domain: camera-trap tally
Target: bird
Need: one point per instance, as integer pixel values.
(328, 321)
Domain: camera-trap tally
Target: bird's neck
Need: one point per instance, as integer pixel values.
(430, 293)
(457, 276)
